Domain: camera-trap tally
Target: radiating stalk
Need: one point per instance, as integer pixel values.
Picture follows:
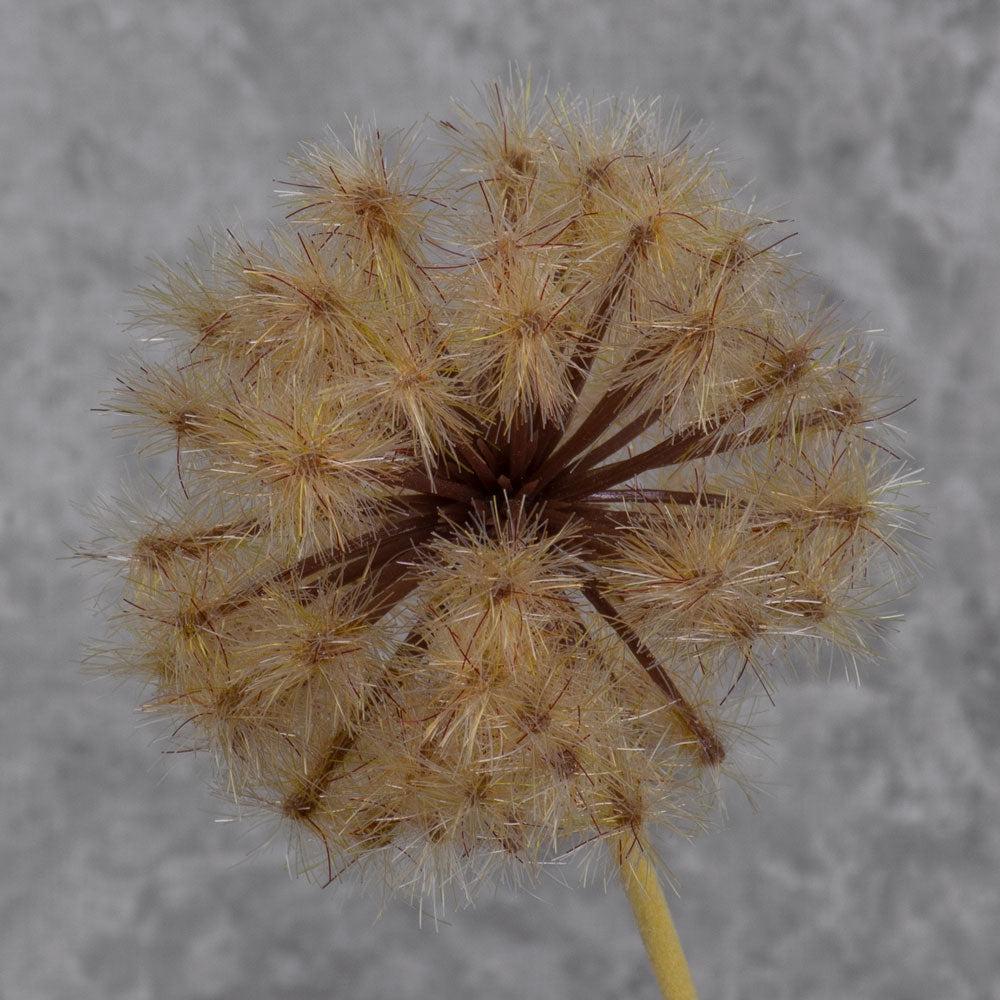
(709, 746)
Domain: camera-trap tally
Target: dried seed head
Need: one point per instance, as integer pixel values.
(500, 486)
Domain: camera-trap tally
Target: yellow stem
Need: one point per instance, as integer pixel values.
(653, 919)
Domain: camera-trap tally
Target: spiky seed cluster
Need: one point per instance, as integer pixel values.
(495, 487)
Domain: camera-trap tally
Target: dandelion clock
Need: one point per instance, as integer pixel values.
(491, 490)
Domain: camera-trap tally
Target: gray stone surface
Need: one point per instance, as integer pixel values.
(871, 867)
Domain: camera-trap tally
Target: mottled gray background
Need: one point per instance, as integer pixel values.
(871, 869)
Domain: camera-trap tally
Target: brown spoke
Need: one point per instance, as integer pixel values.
(304, 800)
(421, 482)
(394, 584)
(244, 529)
(492, 456)
(693, 433)
(584, 435)
(692, 443)
(385, 564)
(597, 519)
(394, 579)
(522, 446)
(617, 441)
(586, 350)
(710, 747)
(589, 431)
(351, 560)
(639, 495)
(596, 422)
(153, 547)
(478, 464)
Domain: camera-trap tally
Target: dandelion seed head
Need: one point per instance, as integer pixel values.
(494, 491)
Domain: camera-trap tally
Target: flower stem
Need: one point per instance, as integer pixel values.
(652, 916)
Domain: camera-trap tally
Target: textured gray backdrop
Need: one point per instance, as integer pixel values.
(871, 869)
